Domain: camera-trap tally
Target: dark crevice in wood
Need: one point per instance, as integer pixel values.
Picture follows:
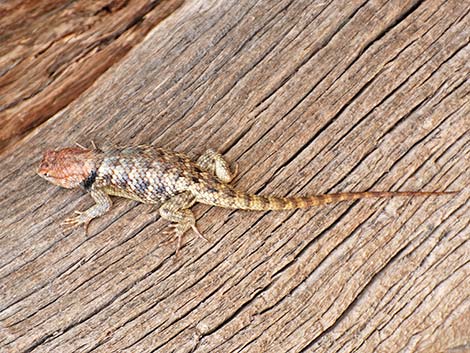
(253, 250)
(464, 136)
(86, 281)
(431, 14)
(378, 37)
(431, 157)
(403, 306)
(18, 221)
(243, 306)
(293, 72)
(12, 220)
(328, 39)
(200, 256)
(393, 24)
(386, 132)
(255, 294)
(390, 94)
(194, 64)
(339, 113)
(36, 289)
(327, 148)
(302, 251)
(448, 94)
(420, 303)
(73, 265)
(198, 280)
(236, 139)
(55, 99)
(252, 65)
(409, 242)
(417, 143)
(461, 151)
(175, 319)
(218, 48)
(285, 263)
(359, 296)
(464, 348)
(442, 259)
(136, 232)
(369, 283)
(310, 91)
(300, 150)
(245, 346)
(38, 342)
(51, 246)
(102, 306)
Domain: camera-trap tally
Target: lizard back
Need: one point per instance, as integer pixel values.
(146, 173)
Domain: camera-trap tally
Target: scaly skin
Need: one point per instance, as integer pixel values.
(156, 176)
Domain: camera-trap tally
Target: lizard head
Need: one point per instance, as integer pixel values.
(69, 167)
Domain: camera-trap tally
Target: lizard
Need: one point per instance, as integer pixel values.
(172, 180)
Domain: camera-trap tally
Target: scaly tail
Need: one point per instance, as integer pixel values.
(239, 200)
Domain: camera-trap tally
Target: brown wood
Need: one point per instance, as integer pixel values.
(307, 97)
(51, 51)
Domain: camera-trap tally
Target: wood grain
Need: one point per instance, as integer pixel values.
(51, 51)
(306, 97)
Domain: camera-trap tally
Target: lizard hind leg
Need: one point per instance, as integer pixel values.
(176, 210)
(213, 162)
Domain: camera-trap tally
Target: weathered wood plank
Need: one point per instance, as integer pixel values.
(306, 98)
(51, 51)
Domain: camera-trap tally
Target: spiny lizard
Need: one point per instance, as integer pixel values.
(157, 176)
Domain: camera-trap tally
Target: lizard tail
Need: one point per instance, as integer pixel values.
(244, 201)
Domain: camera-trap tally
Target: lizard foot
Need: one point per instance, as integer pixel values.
(74, 222)
(177, 230)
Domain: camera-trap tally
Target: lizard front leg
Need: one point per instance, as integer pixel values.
(102, 205)
(214, 163)
(176, 210)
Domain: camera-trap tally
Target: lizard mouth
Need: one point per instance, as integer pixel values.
(45, 175)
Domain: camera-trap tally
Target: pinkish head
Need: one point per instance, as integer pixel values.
(68, 167)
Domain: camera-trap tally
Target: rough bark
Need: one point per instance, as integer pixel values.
(306, 97)
(51, 51)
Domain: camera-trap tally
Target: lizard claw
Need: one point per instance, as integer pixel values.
(173, 232)
(176, 231)
(74, 222)
(71, 222)
(170, 231)
(84, 148)
(199, 234)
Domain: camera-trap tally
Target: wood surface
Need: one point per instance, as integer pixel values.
(307, 97)
(51, 51)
